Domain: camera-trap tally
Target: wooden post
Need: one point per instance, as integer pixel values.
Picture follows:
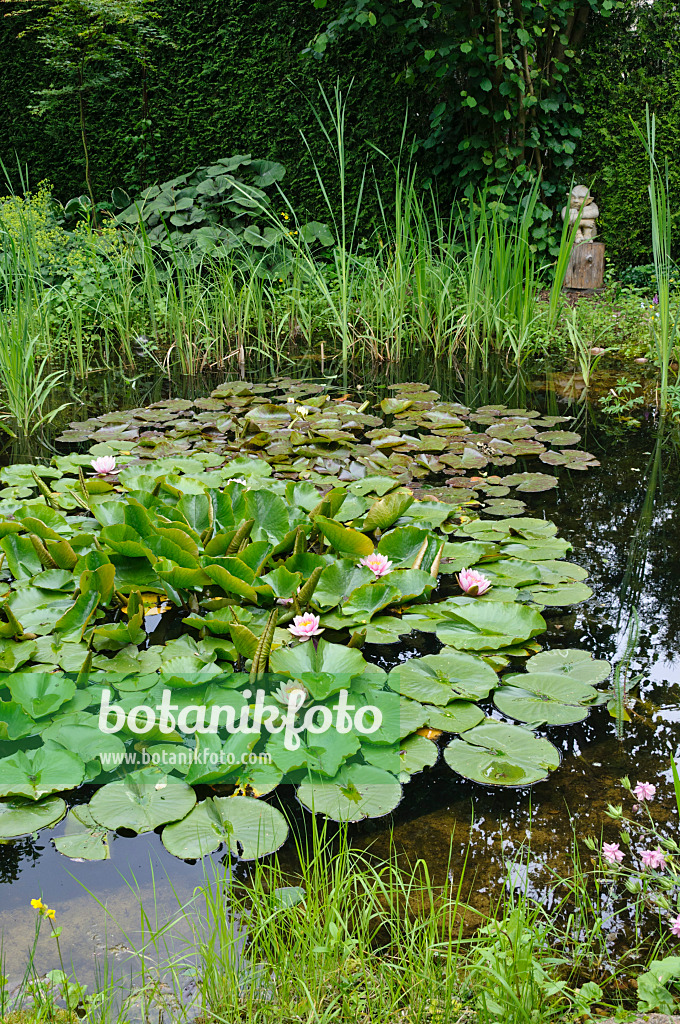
(585, 271)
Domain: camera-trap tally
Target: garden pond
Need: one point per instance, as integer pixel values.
(182, 567)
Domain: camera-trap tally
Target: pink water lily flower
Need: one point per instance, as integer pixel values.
(644, 791)
(611, 853)
(305, 626)
(653, 859)
(675, 925)
(379, 565)
(473, 583)
(104, 466)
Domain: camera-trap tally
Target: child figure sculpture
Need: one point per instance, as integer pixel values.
(580, 198)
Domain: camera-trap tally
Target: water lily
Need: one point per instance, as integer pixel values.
(473, 583)
(291, 693)
(104, 465)
(305, 626)
(644, 791)
(675, 926)
(379, 565)
(302, 411)
(653, 859)
(287, 600)
(611, 853)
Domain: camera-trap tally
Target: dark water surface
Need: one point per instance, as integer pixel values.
(624, 525)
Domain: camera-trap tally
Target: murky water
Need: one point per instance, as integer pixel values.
(624, 524)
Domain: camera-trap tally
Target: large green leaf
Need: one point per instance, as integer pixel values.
(541, 698)
(368, 599)
(358, 791)
(21, 817)
(37, 773)
(83, 838)
(385, 511)
(249, 827)
(143, 800)
(495, 754)
(574, 664)
(347, 542)
(329, 659)
(40, 693)
(441, 678)
(488, 626)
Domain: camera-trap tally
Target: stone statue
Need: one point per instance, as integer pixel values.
(580, 199)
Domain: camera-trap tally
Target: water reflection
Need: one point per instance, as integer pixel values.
(623, 523)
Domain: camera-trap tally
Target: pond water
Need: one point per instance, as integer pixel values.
(623, 522)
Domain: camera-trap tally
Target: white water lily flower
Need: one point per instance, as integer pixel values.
(290, 691)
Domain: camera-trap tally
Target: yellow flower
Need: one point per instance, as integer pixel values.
(37, 904)
(50, 913)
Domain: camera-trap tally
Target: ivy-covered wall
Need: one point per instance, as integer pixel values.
(235, 81)
(630, 61)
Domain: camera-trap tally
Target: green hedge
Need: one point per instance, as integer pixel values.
(236, 82)
(631, 60)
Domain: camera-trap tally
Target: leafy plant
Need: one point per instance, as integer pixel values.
(84, 42)
(236, 555)
(213, 210)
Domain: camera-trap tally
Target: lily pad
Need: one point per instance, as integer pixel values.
(358, 791)
(143, 800)
(540, 698)
(37, 773)
(250, 828)
(480, 626)
(571, 662)
(22, 817)
(495, 754)
(531, 482)
(83, 838)
(441, 678)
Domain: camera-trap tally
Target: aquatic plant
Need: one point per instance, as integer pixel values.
(100, 567)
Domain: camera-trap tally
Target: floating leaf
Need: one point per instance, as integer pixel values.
(37, 773)
(83, 838)
(440, 678)
(541, 698)
(573, 663)
(22, 817)
(531, 482)
(143, 800)
(481, 626)
(495, 754)
(358, 791)
(249, 827)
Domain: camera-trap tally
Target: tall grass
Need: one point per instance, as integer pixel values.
(336, 935)
(453, 283)
(664, 325)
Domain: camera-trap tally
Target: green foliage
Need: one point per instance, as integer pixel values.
(232, 83)
(211, 209)
(85, 43)
(631, 61)
(497, 77)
